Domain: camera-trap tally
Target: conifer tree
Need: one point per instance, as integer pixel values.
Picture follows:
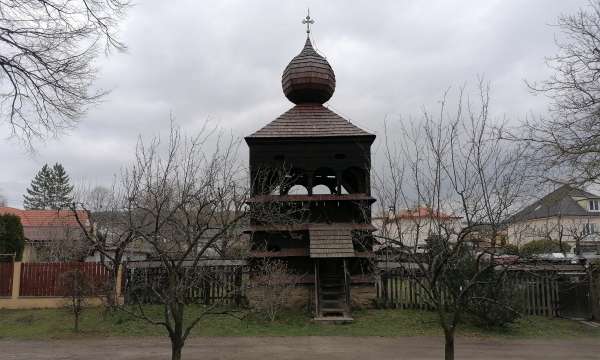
(38, 194)
(61, 187)
(50, 189)
(12, 239)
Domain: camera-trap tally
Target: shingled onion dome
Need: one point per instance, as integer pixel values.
(308, 78)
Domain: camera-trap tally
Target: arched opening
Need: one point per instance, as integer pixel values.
(266, 181)
(292, 178)
(354, 180)
(297, 190)
(321, 190)
(326, 177)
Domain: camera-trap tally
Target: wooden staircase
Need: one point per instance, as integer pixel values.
(332, 292)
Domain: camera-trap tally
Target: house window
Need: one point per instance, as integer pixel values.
(589, 229)
(594, 205)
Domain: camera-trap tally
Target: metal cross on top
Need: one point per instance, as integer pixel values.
(308, 21)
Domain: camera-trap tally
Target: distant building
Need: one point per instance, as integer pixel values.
(412, 226)
(568, 215)
(42, 228)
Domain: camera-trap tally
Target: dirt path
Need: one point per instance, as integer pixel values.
(313, 348)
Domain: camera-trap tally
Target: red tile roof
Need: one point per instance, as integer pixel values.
(420, 213)
(46, 217)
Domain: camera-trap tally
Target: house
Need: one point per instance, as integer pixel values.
(43, 229)
(568, 215)
(412, 227)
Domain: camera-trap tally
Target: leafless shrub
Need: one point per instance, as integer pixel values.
(272, 284)
(76, 287)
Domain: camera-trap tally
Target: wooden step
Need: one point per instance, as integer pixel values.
(332, 309)
(327, 302)
(334, 319)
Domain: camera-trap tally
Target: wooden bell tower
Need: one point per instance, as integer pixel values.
(323, 164)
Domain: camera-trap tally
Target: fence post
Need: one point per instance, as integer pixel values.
(16, 280)
(119, 282)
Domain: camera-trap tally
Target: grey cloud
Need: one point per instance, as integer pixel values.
(221, 61)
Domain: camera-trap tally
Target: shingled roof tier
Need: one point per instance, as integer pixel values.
(308, 78)
(331, 243)
(309, 120)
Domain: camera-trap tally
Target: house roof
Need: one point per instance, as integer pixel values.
(44, 225)
(419, 213)
(309, 120)
(560, 202)
(46, 217)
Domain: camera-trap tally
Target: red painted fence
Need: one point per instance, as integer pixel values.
(6, 275)
(43, 279)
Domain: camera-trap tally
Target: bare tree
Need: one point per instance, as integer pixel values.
(566, 145)
(3, 201)
(47, 61)
(76, 287)
(114, 225)
(176, 195)
(452, 163)
(66, 243)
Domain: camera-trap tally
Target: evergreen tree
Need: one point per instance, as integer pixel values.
(38, 195)
(61, 187)
(50, 189)
(12, 239)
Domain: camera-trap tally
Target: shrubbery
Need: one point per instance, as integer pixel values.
(497, 303)
(12, 240)
(543, 246)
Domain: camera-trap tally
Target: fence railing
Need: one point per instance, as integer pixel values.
(43, 279)
(206, 285)
(540, 291)
(6, 274)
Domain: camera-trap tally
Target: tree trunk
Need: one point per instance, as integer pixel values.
(449, 347)
(76, 322)
(177, 336)
(176, 350)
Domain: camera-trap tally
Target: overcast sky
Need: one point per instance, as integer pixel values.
(221, 61)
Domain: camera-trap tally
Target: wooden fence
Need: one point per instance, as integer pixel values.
(6, 274)
(43, 279)
(540, 292)
(207, 285)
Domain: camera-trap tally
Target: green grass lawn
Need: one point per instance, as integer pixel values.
(57, 323)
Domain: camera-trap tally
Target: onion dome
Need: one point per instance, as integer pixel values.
(308, 78)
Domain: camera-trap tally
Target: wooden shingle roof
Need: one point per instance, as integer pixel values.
(309, 120)
(308, 77)
(331, 243)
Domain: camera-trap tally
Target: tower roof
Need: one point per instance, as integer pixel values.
(309, 120)
(308, 78)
